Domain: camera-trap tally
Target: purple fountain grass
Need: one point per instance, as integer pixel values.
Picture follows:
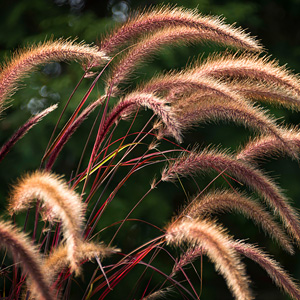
(223, 200)
(275, 271)
(213, 103)
(168, 16)
(269, 93)
(70, 130)
(87, 251)
(61, 203)
(152, 43)
(22, 250)
(216, 245)
(159, 106)
(193, 110)
(192, 78)
(23, 130)
(160, 294)
(130, 103)
(183, 82)
(27, 60)
(268, 146)
(252, 67)
(208, 160)
(222, 88)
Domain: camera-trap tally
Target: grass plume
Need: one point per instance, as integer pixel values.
(174, 17)
(184, 82)
(23, 252)
(269, 93)
(23, 130)
(216, 244)
(151, 44)
(222, 201)
(61, 203)
(87, 251)
(250, 67)
(275, 271)
(193, 110)
(268, 146)
(209, 160)
(25, 61)
(115, 158)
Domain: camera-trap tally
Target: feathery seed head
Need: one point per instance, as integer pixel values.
(272, 267)
(268, 146)
(173, 17)
(159, 106)
(251, 68)
(152, 43)
(266, 92)
(185, 82)
(225, 200)
(208, 160)
(216, 244)
(23, 130)
(60, 201)
(58, 258)
(195, 109)
(24, 252)
(27, 60)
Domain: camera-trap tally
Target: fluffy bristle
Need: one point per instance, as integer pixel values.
(60, 201)
(272, 267)
(215, 243)
(58, 258)
(225, 200)
(213, 160)
(252, 68)
(25, 61)
(22, 250)
(172, 17)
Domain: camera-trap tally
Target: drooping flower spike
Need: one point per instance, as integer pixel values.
(174, 17)
(216, 245)
(23, 252)
(209, 160)
(25, 61)
(60, 202)
(221, 201)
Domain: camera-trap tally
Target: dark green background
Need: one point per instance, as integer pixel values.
(275, 23)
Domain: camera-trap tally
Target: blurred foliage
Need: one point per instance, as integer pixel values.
(275, 23)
